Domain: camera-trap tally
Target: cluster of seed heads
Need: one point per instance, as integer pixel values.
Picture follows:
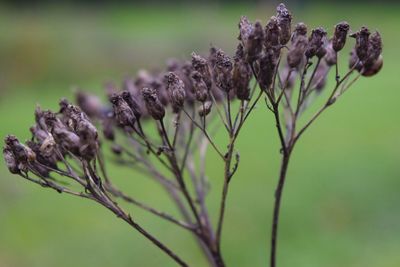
(276, 56)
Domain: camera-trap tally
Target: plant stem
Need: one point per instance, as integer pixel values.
(278, 197)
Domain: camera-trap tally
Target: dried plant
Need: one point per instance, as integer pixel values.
(162, 123)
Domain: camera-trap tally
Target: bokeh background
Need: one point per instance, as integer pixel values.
(341, 206)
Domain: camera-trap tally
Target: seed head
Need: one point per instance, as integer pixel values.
(267, 69)
(272, 33)
(200, 87)
(299, 30)
(285, 23)
(315, 42)
(176, 90)
(374, 49)
(200, 64)
(362, 43)
(340, 35)
(241, 75)
(10, 160)
(123, 113)
(223, 71)
(153, 104)
(132, 103)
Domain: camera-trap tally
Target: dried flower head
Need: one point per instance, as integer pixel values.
(200, 64)
(340, 35)
(272, 33)
(362, 43)
(176, 91)
(223, 71)
(285, 23)
(241, 75)
(153, 104)
(200, 87)
(315, 42)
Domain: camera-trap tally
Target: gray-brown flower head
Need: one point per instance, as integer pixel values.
(79, 123)
(267, 69)
(320, 76)
(176, 91)
(223, 71)
(374, 50)
(200, 87)
(362, 43)
(205, 109)
(64, 137)
(241, 75)
(285, 23)
(299, 30)
(153, 104)
(296, 52)
(200, 64)
(132, 103)
(21, 155)
(321, 52)
(90, 104)
(272, 33)
(252, 37)
(340, 35)
(315, 42)
(122, 112)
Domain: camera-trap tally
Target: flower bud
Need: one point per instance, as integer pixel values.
(200, 87)
(200, 64)
(153, 104)
(340, 35)
(205, 109)
(176, 90)
(241, 75)
(223, 71)
(284, 22)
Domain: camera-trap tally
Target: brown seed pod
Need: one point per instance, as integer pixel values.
(340, 35)
(285, 23)
(153, 104)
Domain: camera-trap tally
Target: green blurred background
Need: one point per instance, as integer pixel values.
(341, 206)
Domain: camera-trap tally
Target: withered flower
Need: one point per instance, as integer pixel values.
(176, 90)
(362, 43)
(241, 75)
(315, 42)
(153, 104)
(374, 49)
(267, 69)
(272, 33)
(340, 35)
(122, 112)
(299, 30)
(132, 103)
(252, 37)
(200, 64)
(200, 87)
(223, 71)
(285, 23)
